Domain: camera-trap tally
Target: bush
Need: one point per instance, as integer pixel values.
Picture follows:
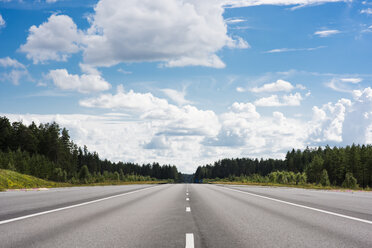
(301, 178)
(273, 177)
(350, 181)
(116, 176)
(282, 177)
(59, 175)
(84, 174)
(324, 180)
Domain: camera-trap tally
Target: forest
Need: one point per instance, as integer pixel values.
(46, 151)
(348, 167)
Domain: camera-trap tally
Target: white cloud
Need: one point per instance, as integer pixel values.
(51, 1)
(234, 20)
(292, 99)
(175, 121)
(158, 142)
(328, 121)
(358, 122)
(124, 71)
(55, 39)
(176, 96)
(271, 101)
(2, 21)
(188, 137)
(15, 76)
(245, 132)
(175, 32)
(88, 69)
(326, 33)
(9, 62)
(299, 3)
(14, 71)
(351, 80)
(300, 86)
(282, 50)
(279, 85)
(274, 101)
(86, 83)
(367, 11)
(343, 84)
(246, 110)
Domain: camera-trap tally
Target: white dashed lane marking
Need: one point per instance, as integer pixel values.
(189, 240)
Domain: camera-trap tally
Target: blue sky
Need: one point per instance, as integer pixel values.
(189, 82)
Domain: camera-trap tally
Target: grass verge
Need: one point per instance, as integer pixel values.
(302, 186)
(14, 180)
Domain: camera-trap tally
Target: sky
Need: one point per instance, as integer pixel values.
(188, 82)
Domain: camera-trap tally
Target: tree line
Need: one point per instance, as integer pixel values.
(337, 166)
(46, 151)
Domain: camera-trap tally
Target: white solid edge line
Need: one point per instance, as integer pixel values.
(72, 206)
(187, 193)
(188, 209)
(187, 199)
(302, 206)
(189, 240)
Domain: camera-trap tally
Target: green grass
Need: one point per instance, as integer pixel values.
(303, 186)
(14, 180)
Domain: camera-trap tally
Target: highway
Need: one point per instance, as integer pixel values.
(185, 215)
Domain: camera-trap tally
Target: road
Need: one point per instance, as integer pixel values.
(185, 215)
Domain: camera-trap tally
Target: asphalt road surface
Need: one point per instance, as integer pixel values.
(185, 215)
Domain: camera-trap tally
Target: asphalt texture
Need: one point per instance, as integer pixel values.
(157, 216)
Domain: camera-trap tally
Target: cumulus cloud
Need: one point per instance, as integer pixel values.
(178, 33)
(86, 83)
(9, 62)
(246, 110)
(279, 85)
(358, 122)
(158, 142)
(54, 39)
(326, 33)
(275, 101)
(328, 121)
(14, 71)
(15, 76)
(176, 96)
(189, 137)
(176, 121)
(173, 32)
(258, 135)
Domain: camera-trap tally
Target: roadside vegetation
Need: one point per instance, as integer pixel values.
(47, 152)
(14, 180)
(286, 179)
(349, 167)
